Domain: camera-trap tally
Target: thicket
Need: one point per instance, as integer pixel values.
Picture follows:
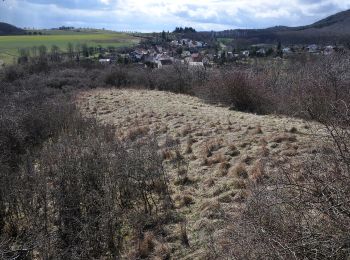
(69, 189)
(303, 211)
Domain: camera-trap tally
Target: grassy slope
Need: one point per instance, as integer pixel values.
(9, 45)
(234, 137)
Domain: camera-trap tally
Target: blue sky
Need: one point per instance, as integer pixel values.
(156, 15)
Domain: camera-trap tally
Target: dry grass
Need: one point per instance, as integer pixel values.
(186, 130)
(284, 138)
(215, 159)
(147, 245)
(184, 200)
(183, 235)
(257, 173)
(239, 170)
(161, 252)
(257, 130)
(220, 152)
(223, 168)
(238, 184)
(212, 210)
(211, 146)
(136, 132)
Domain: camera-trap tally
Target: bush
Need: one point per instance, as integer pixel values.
(117, 77)
(69, 189)
(12, 73)
(304, 211)
(239, 89)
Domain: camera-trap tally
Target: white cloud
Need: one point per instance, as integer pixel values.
(106, 2)
(155, 15)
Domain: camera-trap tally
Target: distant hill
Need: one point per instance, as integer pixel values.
(339, 22)
(8, 29)
(333, 29)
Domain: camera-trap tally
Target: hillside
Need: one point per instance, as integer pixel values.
(8, 29)
(222, 149)
(339, 22)
(333, 29)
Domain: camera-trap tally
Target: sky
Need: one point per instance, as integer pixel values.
(158, 15)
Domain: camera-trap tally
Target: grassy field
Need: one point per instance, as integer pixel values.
(225, 40)
(9, 45)
(217, 143)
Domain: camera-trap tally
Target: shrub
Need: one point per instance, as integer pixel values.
(12, 73)
(71, 186)
(303, 211)
(239, 89)
(117, 77)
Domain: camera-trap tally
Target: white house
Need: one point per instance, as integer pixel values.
(185, 54)
(196, 64)
(286, 50)
(175, 43)
(104, 61)
(312, 48)
(328, 50)
(261, 52)
(246, 53)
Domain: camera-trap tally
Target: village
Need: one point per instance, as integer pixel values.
(194, 53)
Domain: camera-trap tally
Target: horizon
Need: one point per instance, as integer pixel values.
(155, 16)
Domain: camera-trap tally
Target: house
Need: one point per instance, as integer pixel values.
(163, 59)
(313, 48)
(196, 57)
(210, 57)
(185, 41)
(196, 64)
(136, 55)
(206, 60)
(195, 44)
(158, 60)
(185, 54)
(286, 50)
(246, 53)
(175, 43)
(261, 52)
(150, 60)
(164, 62)
(104, 61)
(159, 49)
(328, 50)
(200, 44)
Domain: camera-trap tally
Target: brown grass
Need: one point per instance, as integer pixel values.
(220, 159)
(257, 130)
(185, 200)
(238, 184)
(147, 245)
(257, 173)
(183, 235)
(136, 132)
(186, 130)
(212, 210)
(284, 138)
(239, 170)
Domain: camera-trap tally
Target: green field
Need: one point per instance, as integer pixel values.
(225, 40)
(9, 45)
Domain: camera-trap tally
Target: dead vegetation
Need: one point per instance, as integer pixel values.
(210, 172)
